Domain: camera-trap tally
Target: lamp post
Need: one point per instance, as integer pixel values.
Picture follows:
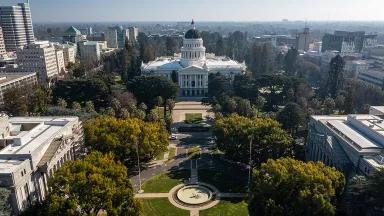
(138, 164)
(250, 162)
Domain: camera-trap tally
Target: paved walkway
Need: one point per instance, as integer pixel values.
(194, 212)
(151, 195)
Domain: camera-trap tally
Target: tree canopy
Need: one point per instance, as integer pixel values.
(83, 90)
(289, 187)
(121, 136)
(85, 187)
(291, 117)
(269, 139)
(147, 88)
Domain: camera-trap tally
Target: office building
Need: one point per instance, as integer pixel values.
(116, 37)
(354, 144)
(60, 61)
(39, 57)
(69, 52)
(111, 38)
(348, 42)
(32, 150)
(133, 34)
(16, 22)
(193, 66)
(303, 39)
(91, 51)
(2, 44)
(73, 35)
(15, 80)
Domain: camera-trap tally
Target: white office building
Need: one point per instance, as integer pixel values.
(353, 144)
(32, 150)
(193, 66)
(2, 44)
(16, 22)
(69, 52)
(133, 34)
(39, 57)
(91, 51)
(60, 61)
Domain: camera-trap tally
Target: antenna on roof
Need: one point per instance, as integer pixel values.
(193, 24)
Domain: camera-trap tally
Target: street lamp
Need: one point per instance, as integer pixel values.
(138, 164)
(250, 162)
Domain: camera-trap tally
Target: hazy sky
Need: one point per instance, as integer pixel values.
(204, 10)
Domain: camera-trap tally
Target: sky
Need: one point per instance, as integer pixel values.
(203, 10)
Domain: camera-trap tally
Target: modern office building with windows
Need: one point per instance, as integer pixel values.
(353, 144)
(16, 22)
(39, 57)
(32, 149)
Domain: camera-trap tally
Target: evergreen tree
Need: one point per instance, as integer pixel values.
(335, 76)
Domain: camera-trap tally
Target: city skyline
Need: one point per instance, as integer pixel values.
(225, 10)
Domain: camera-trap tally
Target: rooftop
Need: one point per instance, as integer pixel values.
(30, 137)
(363, 132)
(171, 63)
(7, 78)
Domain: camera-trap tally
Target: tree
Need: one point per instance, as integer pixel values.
(5, 201)
(89, 107)
(329, 106)
(79, 71)
(159, 101)
(290, 61)
(244, 107)
(86, 187)
(291, 117)
(76, 106)
(218, 85)
(269, 140)
(127, 100)
(16, 102)
(171, 104)
(375, 190)
(39, 99)
(62, 103)
(289, 187)
(147, 88)
(339, 102)
(120, 137)
(175, 76)
(355, 196)
(335, 76)
(83, 90)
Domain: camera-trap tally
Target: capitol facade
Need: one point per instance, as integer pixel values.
(193, 66)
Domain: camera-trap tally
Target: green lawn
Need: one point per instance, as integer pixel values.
(231, 180)
(227, 208)
(161, 207)
(165, 182)
(193, 118)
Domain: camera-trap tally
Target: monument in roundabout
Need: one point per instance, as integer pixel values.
(194, 195)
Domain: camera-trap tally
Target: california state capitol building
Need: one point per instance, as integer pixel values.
(193, 65)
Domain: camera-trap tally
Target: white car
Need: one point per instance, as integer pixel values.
(173, 137)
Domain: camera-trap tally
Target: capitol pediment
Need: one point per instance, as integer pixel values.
(192, 68)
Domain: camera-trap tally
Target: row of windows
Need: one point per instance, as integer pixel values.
(192, 55)
(193, 45)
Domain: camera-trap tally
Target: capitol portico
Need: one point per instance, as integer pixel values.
(193, 65)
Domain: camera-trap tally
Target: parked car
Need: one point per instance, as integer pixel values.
(173, 137)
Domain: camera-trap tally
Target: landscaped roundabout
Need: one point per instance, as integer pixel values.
(194, 196)
(218, 191)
